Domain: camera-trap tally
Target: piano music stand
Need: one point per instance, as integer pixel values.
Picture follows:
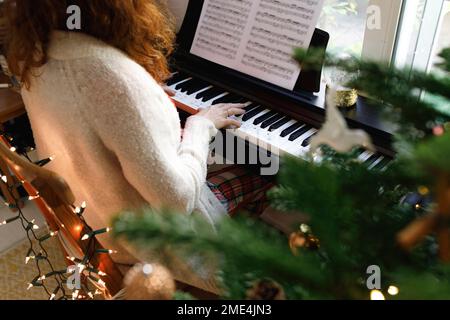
(309, 81)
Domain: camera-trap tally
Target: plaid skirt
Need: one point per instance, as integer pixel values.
(239, 189)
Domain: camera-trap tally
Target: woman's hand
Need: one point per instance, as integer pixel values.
(220, 114)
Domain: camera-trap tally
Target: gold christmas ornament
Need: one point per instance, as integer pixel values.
(303, 239)
(346, 97)
(149, 282)
(266, 290)
(336, 133)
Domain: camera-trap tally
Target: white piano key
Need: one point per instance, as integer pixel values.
(376, 162)
(365, 155)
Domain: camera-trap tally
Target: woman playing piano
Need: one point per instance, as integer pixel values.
(94, 100)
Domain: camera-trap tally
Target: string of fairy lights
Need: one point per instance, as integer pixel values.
(62, 287)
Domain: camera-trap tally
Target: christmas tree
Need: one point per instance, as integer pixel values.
(360, 219)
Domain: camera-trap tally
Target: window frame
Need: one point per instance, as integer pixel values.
(379, 44)
(426, 40)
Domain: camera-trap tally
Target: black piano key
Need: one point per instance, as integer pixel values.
(291, 129)
(297, 134)
(264, 117)
(360, 151)
(184, 85)
(382, 164)
(279, 124)
(307, 141)
(271, 121)
(197, 86)
(179, 76)
(252, 113)
(251, 106)
(209, 94)
(372, 159)
(229, 98)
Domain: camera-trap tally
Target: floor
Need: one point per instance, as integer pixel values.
(15, 274)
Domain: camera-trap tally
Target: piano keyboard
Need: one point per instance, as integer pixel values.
(260, 125)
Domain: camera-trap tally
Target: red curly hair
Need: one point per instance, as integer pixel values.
(140, 28)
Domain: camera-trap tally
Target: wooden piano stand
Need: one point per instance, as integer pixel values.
(11, 106)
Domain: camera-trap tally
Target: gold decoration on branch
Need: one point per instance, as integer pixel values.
(266, 290)
(303, 239)
(149, 282)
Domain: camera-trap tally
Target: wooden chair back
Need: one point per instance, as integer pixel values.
(56, 202)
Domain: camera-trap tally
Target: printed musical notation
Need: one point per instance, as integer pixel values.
(257, 37)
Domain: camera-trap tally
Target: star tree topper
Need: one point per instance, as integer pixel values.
(335, 132)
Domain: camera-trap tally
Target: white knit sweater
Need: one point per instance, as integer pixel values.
(116, 135)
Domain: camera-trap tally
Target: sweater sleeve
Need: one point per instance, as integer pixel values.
(135, 119)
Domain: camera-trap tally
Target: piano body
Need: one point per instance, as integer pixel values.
(275, 118)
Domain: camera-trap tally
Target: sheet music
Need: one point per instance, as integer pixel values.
(257, 37)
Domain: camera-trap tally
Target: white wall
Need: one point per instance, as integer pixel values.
(178, 9)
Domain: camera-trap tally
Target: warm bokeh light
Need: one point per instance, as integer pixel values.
(376, 295)
(393, 290)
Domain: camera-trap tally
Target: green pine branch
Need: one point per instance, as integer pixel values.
(355, 212)
(244, 245)
(398, 90)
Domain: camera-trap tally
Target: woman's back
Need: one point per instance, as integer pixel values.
(111, 129)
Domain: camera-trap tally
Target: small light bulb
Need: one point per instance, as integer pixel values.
(30, 285)
(52, 296)
(85, 237)
(101, 282)
(71, 258)
(376, 295)
(77, 210)
(33, 197)
(147, 269)
(305, 228)
(393, 290)
(13, 149)
(101, 273)
(41, 278)
(423, 190)
(35, 226)
(91, 295)
(112, 251)
(83, 205)
(5, 179)
(75, 294)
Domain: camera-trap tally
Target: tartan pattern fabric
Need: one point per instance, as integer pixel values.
(239, 189)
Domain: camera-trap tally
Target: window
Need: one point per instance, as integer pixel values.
(411, 33)
(345, 21)
(351, 33)
(423, 33)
